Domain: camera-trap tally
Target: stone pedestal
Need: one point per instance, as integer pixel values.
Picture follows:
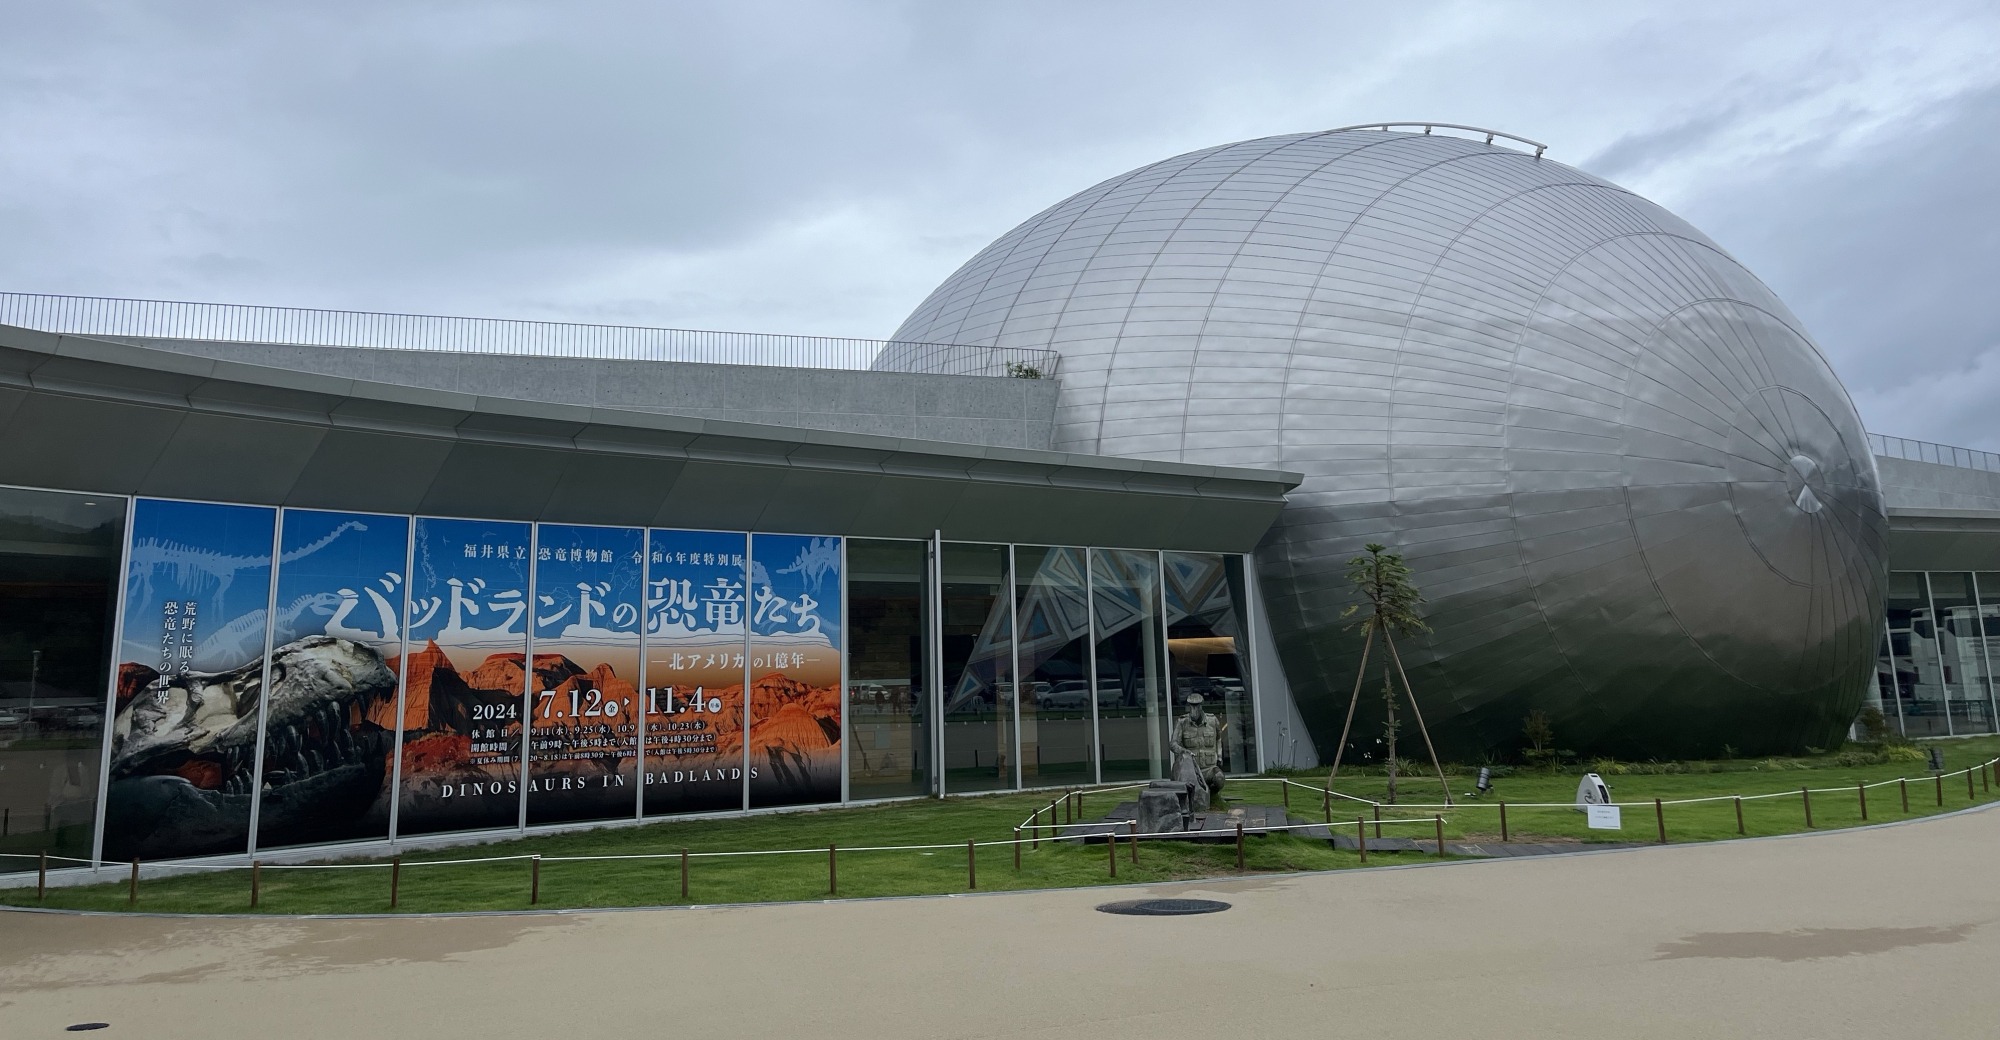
(1163, 806)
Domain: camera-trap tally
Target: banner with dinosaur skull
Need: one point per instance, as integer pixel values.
(190, 678)
(466, 681)
(695, 656)
(795, 645)
(583, 728)
(337, 646)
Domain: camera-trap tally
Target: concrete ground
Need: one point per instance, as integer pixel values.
(1889, 932)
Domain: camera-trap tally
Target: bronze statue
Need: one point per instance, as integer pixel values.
(1196, 739)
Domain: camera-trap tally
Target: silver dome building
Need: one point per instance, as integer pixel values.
(1636, 495)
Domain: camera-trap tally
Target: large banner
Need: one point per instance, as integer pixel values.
(583, 726)
(336, 649)
(795, 723)
(695, 621)
(191, 666)
(466, 681)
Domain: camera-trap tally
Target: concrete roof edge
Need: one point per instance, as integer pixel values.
(566, 421)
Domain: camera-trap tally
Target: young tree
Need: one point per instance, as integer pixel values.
(1389, 602)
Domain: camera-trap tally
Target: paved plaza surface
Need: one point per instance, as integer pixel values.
(1893, 931)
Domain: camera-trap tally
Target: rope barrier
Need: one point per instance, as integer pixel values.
(1110, 829)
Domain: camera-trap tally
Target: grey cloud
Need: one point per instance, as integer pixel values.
(1890, 258)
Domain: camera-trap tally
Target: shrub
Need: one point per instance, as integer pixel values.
(1023, 370)
(1904, 753)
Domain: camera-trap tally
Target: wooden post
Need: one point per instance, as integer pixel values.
(1440, 833)
(256, 886)
(1969, 796)
(1035, 829)
(1861, 792)
(971, 865)
(1984, 781)
(1940, 789)
(1904, 784)
(1135, 843)
(42, 877)
(1361, 838)
(684, 873)
(395, 879)
(1068, 809)
(1017, 848)
(1326, 803)
(832, 873)
(1378, 820)
(1239, 845)
(1739, 815)
(1660, 817)
(1805, 799)
(132, 899)
(1285, 788)
(1503, 822)
(1111, 847)
(534, 880)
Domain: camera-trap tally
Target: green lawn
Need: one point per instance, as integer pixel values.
(505, 885)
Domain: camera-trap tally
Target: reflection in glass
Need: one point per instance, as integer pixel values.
(1053, 609)
(978, 651)
(1982, 633)
(1961, 652)
(59, 567)
(888, 718)
(1882, 693)
(1131, 694)
(1914, 653)
(1204, 629)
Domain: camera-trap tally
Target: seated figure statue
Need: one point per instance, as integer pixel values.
(1196, 741)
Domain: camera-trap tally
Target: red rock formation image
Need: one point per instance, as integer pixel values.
(794, 740)
(435, 753)
(131, 679)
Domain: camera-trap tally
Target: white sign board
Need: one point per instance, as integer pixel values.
(1603, 817)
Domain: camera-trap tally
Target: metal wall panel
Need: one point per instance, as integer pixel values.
(1638, 496)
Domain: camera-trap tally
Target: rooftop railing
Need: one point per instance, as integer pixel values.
(301, 326)
(1939, 454)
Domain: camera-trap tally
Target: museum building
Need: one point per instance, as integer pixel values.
(277, 579)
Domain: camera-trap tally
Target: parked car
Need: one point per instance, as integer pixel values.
(10, 719)
(1068, 695)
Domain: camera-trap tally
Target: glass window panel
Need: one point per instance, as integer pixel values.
(697, 589)
(1882, 695)
(1206, 650)
(795, 660)
(977, 651)
(183, 748)
(888, 707)
(1131, 687)
(465, 687)
(336, 651)
(1913, 645)
(583, 718)
(1052, 607)
(59, 566)
(1961, 652)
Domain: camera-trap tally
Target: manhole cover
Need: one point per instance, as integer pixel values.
(1164, 907)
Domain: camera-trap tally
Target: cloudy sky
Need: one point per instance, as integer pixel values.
(819, 167)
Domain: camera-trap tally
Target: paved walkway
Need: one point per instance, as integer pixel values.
(1882, 933)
